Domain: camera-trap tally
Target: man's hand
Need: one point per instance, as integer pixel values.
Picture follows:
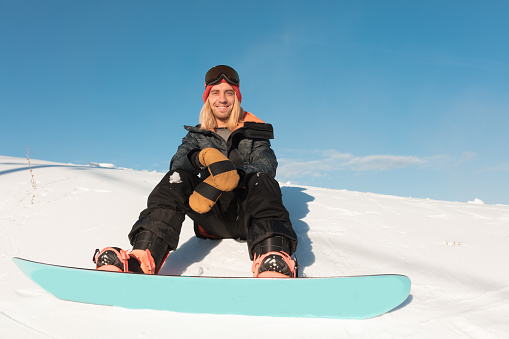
(221, 169)
(223, 178)
(204, 196)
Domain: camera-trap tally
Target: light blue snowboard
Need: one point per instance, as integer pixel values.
(357, 297)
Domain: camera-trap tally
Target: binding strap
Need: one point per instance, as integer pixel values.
(221, 167)
(208, 191)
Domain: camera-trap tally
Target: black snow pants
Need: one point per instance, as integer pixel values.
(253, 213)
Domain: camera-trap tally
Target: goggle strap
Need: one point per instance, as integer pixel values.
(221, 77)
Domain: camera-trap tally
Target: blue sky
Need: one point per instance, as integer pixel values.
(407, 98)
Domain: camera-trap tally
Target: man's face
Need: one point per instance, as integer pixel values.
(221, 100)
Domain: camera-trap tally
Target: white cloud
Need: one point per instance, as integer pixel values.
(503, 167)
(324, 162)
(382, 162)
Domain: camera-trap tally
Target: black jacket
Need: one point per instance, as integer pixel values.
(248, 147)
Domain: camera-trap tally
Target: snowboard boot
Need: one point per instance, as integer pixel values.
(115, 259)
(271, 259)
(146, 241)
(148, 255)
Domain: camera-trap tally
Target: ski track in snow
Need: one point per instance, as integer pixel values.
(30, 329)
(455, 253)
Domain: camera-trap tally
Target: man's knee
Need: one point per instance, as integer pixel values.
(262, 177)
(178, 177)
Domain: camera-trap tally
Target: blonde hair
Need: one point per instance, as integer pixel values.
(208, 120)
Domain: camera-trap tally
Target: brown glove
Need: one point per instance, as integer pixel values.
(223, 178)
(204, 196)
(221, 168)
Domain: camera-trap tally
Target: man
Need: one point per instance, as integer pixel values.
(235, 195)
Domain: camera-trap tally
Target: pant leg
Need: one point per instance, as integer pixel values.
(264, 214)
(166, 207)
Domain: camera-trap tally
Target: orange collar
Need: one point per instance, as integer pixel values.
(248, 117)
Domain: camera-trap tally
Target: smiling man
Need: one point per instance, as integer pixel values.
(222, 177)
(221, 101)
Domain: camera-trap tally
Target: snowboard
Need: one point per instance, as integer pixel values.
(356, 297)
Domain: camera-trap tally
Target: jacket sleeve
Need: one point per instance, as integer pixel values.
(263, 159)
(181, 159)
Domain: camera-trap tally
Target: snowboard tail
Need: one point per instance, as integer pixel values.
(357, 297)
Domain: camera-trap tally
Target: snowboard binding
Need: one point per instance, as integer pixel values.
(148, 255)
(275, 265)
(115, 259)
(271, 259)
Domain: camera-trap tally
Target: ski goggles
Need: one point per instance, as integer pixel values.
(218, 73)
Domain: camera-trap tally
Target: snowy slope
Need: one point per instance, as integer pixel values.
(455, 253)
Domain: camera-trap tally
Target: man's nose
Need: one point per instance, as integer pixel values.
(222, 96)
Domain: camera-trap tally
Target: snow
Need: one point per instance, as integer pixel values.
(455, 254)
(101, 164)
(175, 178)
(477, 201)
